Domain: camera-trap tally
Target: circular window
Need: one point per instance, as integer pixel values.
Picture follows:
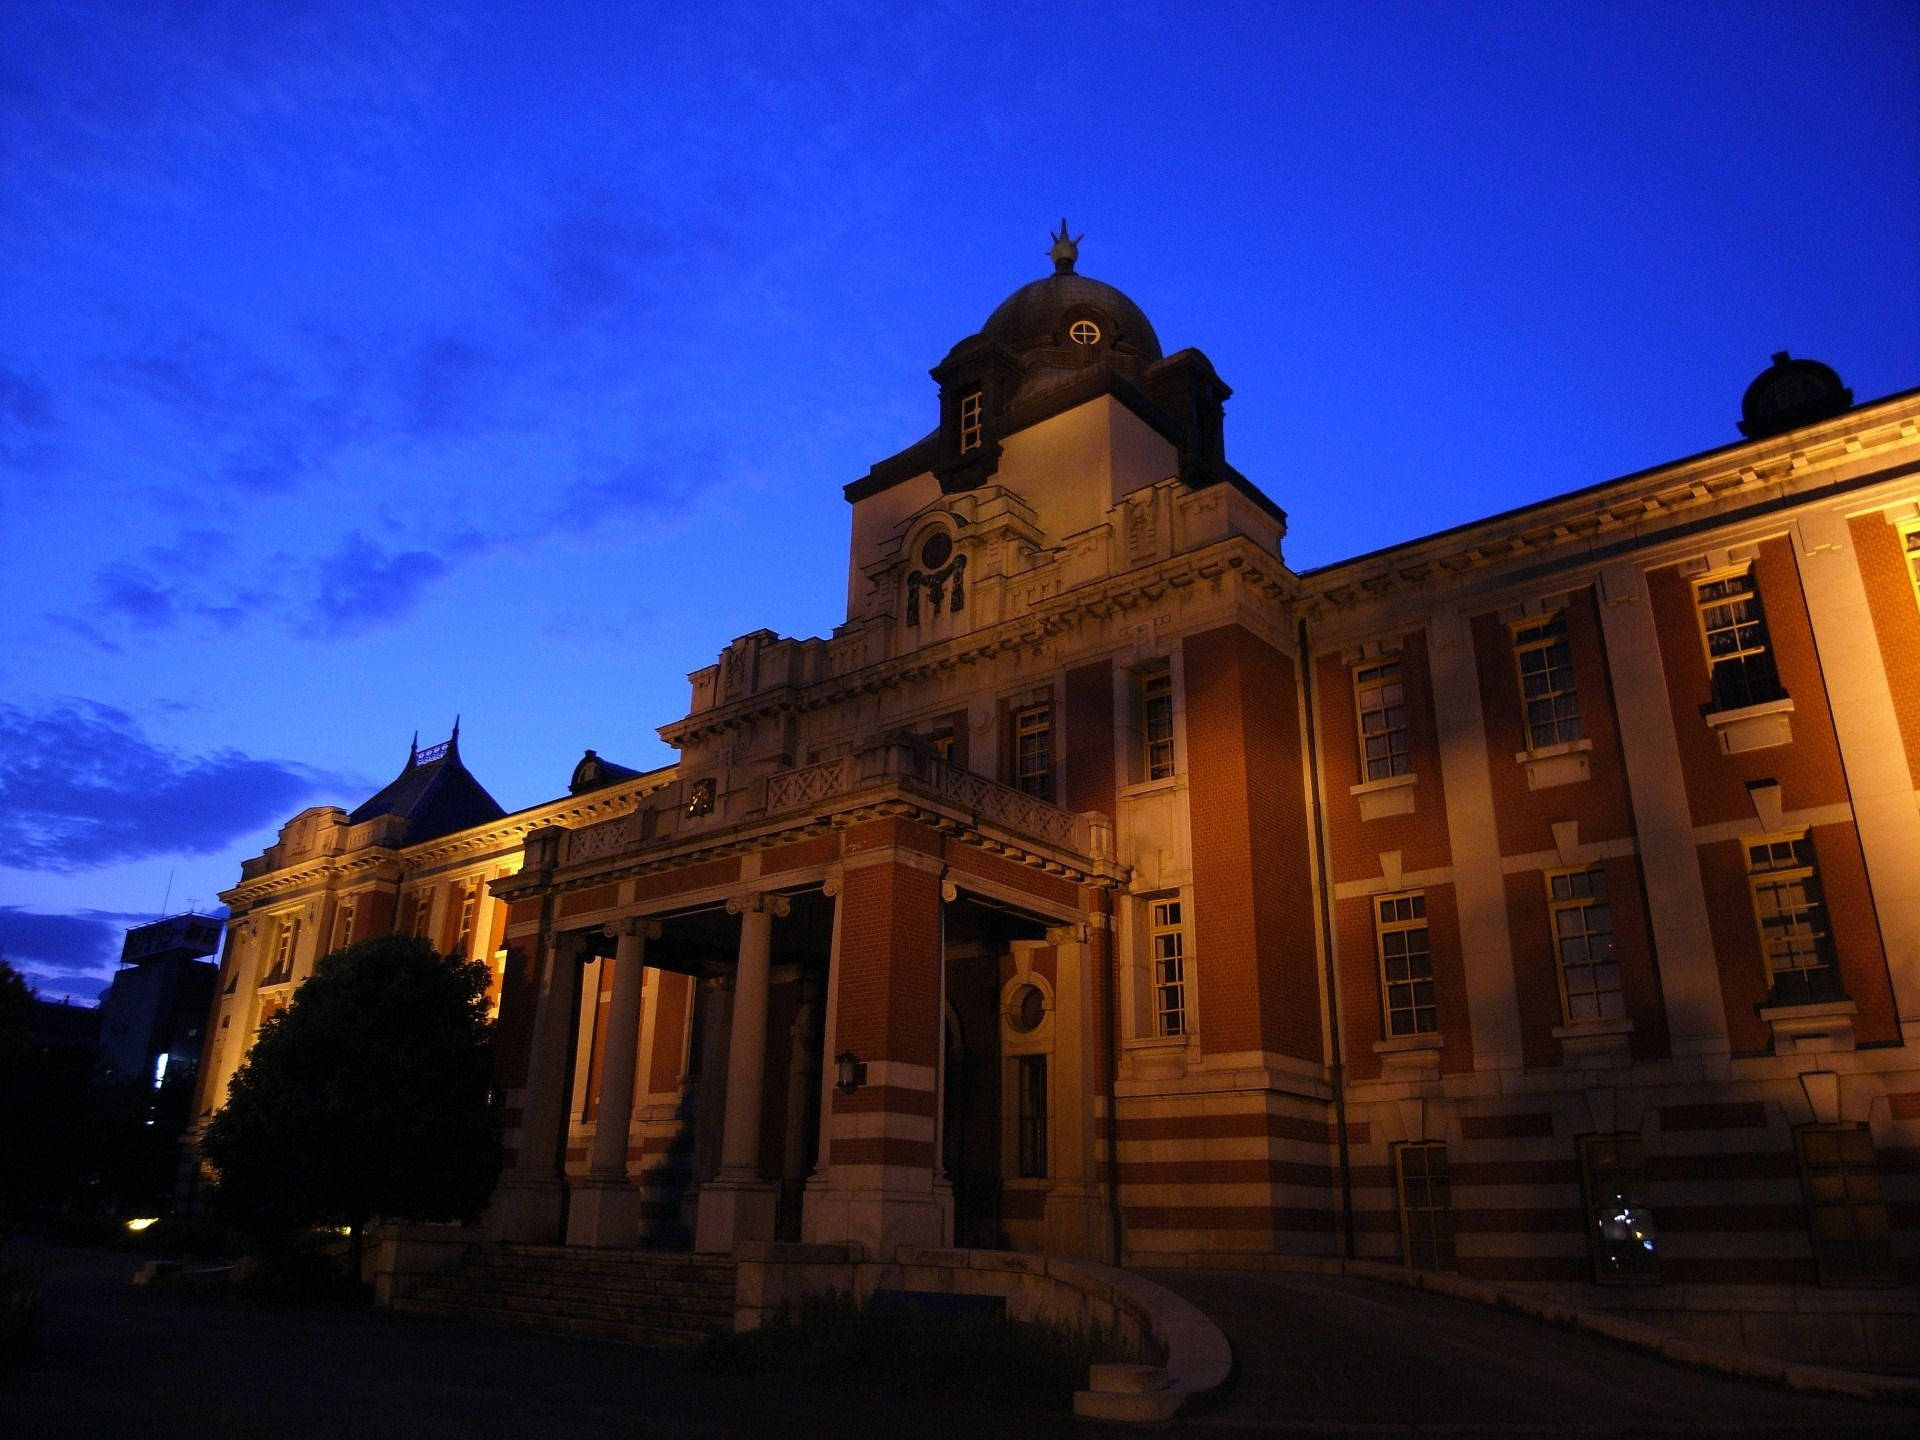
(936, 550)
(1026, 1008)
(1084, 332)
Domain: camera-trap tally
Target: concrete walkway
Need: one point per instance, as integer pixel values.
(1322, 1354)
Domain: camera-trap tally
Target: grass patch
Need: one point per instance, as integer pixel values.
(832, 1340)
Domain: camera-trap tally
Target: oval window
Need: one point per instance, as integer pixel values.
(1084, 332)
(936, 550)
(1026, 1009)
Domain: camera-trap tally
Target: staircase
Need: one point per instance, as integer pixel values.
(642, 1297)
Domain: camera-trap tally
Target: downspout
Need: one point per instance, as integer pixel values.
(1338, 1062)
(1113, 1077)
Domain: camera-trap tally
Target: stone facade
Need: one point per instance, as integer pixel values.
(1540, 899)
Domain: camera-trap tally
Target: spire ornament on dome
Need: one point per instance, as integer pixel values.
(1065, 251)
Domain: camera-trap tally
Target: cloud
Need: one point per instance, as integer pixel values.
(27, 424)
(362, 585)
(64, 954)
(448, 386)
(82, 786)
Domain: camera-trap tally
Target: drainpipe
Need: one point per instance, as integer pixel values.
(1337, 1058)
(1112, 1022)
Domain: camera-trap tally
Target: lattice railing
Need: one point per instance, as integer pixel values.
(590, 842)
(792, 789)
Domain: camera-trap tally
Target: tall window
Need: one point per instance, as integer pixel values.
(1169, 942)
(469, 906)
(1911, 539)
(1406, 964)
(1619, 1220)
(1426, 1205)
(1031, 1080)
(1844, 1205)
(1382, 704)
(1583, 944)
(969, 421)
(422, 913)
(280, 954)
(1792, 916)
(1546, 683)
(343, 931)
(1156, 722)
(1033, 750)
(1734, 630)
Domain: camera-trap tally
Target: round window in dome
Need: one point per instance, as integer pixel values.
(1084, 332)
(1026, 1008)
(936, 550)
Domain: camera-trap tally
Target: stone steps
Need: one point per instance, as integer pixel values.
(641, 1297)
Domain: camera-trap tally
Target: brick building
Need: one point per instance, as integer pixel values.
(1540, 899)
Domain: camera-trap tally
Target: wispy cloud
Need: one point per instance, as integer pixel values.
(361, 585)
(82, 786)
(71, 954)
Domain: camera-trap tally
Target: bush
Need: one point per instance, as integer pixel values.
(838, 1341)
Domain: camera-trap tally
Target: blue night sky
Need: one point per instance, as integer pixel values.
(361, 364)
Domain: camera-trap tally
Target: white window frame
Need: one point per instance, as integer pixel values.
(1408, 917)
(1379, 696)
(1546, 678)
(1736, 620)
(1792, 926)
(1169, 992)
(972, 410)
(1572, 913)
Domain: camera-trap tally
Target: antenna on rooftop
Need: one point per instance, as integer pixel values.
(167, 897)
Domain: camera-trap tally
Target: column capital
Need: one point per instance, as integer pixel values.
(639, 925)
(758, 902)
(1073, 933)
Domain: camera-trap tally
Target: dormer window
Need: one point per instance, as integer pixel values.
(1084, 332)
(969, 421)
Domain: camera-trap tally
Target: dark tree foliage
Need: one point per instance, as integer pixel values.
(69, 1141)
(370, 1096)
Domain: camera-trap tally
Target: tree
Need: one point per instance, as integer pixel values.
(370, 1096)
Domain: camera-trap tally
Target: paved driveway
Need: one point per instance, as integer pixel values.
(1324, 1357)
(1341, 1356)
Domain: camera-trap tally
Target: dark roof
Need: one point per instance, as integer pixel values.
(1036, 315)
(595, 771)
(1791, 393)
(435, 794)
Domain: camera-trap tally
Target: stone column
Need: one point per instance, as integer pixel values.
(606, 1208)
(1669, 861)
(737, 1204)
(528, 1203)
(1866, 723)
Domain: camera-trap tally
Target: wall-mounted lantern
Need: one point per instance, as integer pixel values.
(850, 1072)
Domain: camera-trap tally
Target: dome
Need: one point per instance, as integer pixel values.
(1791, 393)
(1037, 316)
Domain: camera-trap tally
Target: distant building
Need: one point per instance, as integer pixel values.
(153, 1015)
(1538, 900)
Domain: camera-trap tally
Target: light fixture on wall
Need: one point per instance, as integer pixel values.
(850, 1072)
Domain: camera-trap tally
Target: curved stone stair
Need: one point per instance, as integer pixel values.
(638, 1296)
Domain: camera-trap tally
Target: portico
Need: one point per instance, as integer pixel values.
(859, 911)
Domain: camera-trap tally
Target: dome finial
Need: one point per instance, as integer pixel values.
(1065, 251)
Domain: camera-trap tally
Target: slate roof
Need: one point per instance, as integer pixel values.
(435, 793)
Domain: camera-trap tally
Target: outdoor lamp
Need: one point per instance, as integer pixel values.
(850, 1072)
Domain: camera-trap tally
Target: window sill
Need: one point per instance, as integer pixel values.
(1410, 1057)
(1553, 765)
(1148, 787)
(1381, 798)
(1752, 727)
(1817, 1027)
(1595, 1044)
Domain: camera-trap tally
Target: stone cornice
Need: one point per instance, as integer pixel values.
(1236, 557)
(1628, 511)
(505, 835)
